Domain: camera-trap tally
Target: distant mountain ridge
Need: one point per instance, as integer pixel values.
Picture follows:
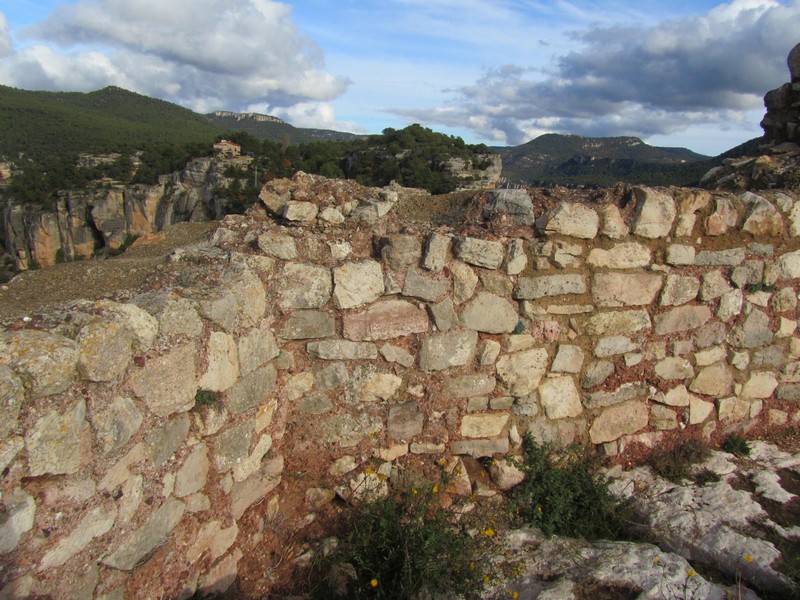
(267, 127)
(555, 158)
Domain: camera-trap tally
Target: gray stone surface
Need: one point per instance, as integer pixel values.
(357, 283)
(720, 258)
(531, 288)
(468, 386)
(332, 377)
(405, 421)
(96, 523)
(44, 362)
(342, 350)
(18, 518)
(425, 287)
(256, 348)
(753, 333)
(480, 448)
(464, 282)
(481, 253)
(167, 383)
(12, 395)
(250, 491)
(596, 373)
(674, 367)
(516, 204)
(115, 424)
(232, 446)
(400, 251)
(56, 444)
(444, 314)
(569, 359)
(625, 289)
(618, 420)
(163, 441)
(714, 380)
(153, 533)
(613, 225)
(655, 213)
(624, 393)
(521, 372)
(308, 324)
(571, 219)
(683, 318)
(517, 260)
(618, 323)
(489, 313)
(304, 286)
(105, 350)
(441, 351)
(222, 368)
(252, 389)
(627, 255)
(486, 425)
(436, 249)
(278, 245)
(613, 346)
(679, 290)
(560, 398)
(300, 211)
(192, 475)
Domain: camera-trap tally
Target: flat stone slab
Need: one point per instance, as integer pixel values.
(481, 253)
(442, 351)
(44, 362)
(357, 283)
(489, 313)
(531, 288)
(342, 350)
(308, 324)
(385, 320)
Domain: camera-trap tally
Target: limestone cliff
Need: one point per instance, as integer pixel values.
(108, 215)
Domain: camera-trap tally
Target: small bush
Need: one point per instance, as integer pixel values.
(397, 549)
(675, 464)
(736, 444)
(205, 398)
(568, 497)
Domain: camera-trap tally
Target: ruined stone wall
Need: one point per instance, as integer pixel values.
(164, 445)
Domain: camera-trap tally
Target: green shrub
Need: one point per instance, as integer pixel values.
(397, 548)
(676, 464)
(736, 444)
(205, 398)
(565, 495)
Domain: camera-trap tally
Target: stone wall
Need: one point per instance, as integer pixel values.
(320, 345)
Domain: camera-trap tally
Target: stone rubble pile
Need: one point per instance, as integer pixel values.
(318, 344)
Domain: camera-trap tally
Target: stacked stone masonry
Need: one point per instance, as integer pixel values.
(152, 443)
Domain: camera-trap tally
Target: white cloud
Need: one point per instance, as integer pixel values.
(205, 54)
(6, 48)
(636, 80)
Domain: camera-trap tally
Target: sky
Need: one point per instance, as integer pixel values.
(688, 73)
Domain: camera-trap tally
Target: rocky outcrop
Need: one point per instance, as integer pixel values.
(482, 172)
(107, 217)
(184, 432)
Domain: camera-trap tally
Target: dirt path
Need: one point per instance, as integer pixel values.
(37, 291)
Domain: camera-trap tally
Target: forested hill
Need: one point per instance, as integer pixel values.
(43, 124)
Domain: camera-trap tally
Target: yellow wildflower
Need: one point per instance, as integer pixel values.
(748, 558)
(691, 573)
(435, 489)
(413, 490)
(472, 566)
(514, 595)
(485, 579)
(538, 509)
(374, 583)
(488, 532)
(369, 471)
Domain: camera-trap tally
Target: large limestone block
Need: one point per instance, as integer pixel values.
(256, 348)
(569, 359)
(424, 287)
(679, 289)
(153, 533)
(628, 255)
(560, 398)
(44, 362)
(464, 282)
(278, 245)
(625, 289)
(613, 225)
(342, 350)
(763, 218)
(223, 363)
(357, 283)
(252, 390)
(618, 322)
(253, 489)
(12, 394)
(400, 252)
(483, 425)
(571, 219)
(142, 326)
(515, 203)
(444, 350)
(385, 320)
(655, 213)
(481, 253)
(192, 475)
(714, 380)
(517, 260)
(105, 350)
(405, 421)
(521, 372)
(760, 385)
(168, 383)
(724, 217)
(249, 292)
(308, 324)
(755, 332)
(57, 443)
(116, 423)
(789, 265)
(96, 523)
(531, 288)
(436, 250)
(618, 420)
(305, 286)
(300, 211)
(490, 314)
(683, 318)
(18, 518)
(468, 386)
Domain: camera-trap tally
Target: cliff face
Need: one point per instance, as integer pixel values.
(481, 176)
(85, 221)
